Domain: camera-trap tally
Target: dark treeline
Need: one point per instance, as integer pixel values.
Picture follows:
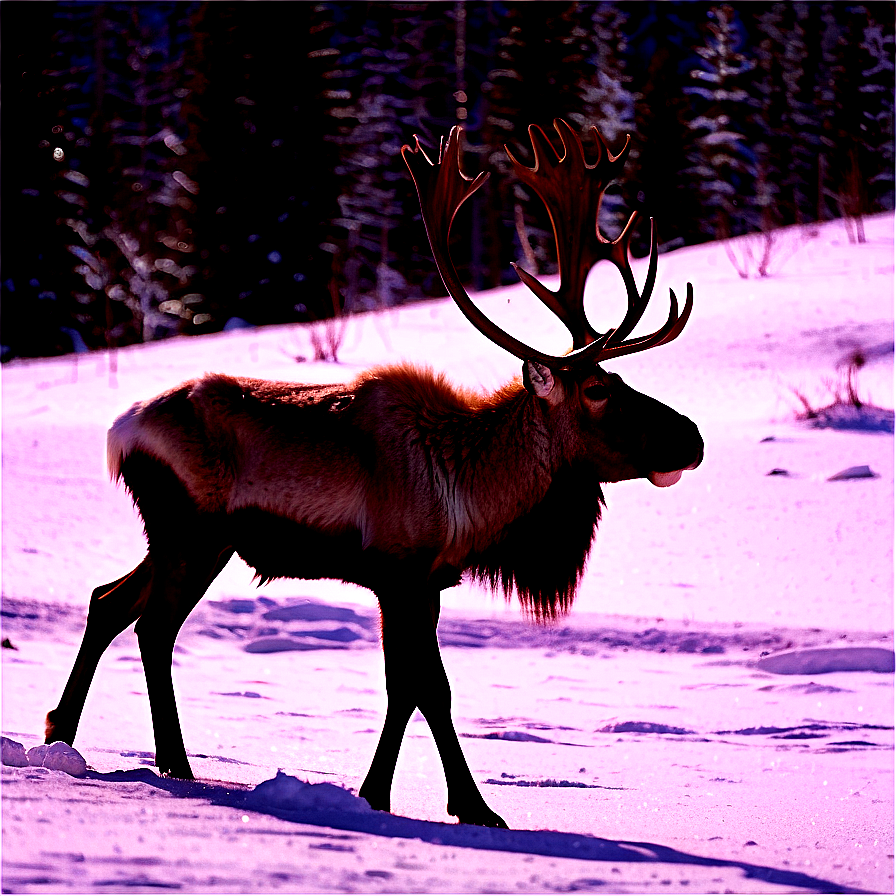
(185, 167)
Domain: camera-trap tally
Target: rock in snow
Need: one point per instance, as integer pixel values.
(818, 660)
(863, 471)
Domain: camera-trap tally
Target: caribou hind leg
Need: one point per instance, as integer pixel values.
(160, 592)
(415, 677)
(186, 553)
(179, 584)
(113, 608)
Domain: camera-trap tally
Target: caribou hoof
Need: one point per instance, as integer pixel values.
(478, 814)
(375, 801)
(55, 729)
(180, 769)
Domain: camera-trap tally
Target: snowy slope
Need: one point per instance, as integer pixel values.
(644, 744)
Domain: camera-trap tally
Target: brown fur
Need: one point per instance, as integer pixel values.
(400, 465)
(401, 462)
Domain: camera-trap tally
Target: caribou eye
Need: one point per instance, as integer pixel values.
(597, 392)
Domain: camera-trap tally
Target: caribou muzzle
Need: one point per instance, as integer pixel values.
(673, 447)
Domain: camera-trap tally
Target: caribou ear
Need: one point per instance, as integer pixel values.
(538, 379)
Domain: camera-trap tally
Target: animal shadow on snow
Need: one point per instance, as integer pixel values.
(551, 844)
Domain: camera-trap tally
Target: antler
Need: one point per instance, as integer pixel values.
(442, 189)
(571, 190)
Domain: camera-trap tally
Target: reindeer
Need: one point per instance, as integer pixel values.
(399, 482)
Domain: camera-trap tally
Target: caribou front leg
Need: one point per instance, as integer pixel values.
(415, 677)
(377, 786)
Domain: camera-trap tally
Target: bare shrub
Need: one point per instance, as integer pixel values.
(327, 335)
(846, 388)
(845, 408)
(763, 254)
(851, 199)
(840, 390)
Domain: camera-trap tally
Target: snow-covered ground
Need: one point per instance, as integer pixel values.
(711, 716)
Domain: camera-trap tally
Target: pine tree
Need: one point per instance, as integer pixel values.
(606, 99)
(784, 141)
(385, 68)
(720, 161)
(38, 310)
(128, 197)
(877, 88)
(263, 165)
(858, 123)
(658, 186)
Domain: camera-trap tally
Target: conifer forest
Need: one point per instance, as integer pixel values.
(186, 167)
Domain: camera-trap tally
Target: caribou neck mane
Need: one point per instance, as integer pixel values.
(520, 515)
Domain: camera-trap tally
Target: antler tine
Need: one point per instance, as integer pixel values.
(442, 188)
(637, 301)
(620, 158)
(669, 331)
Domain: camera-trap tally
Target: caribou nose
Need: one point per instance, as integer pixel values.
(678, 447)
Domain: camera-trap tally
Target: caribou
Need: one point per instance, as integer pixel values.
(398, 482)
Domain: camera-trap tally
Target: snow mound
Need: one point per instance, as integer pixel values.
(58, 757)
(522, 737)
(512, 781)
(286, 792)
(818, 660)
(279, 644)
(13, 753)
(642, 728)
(850, 418)
(310, 640)
(309, 611)
(813, 688)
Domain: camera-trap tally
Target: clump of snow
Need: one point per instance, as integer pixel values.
(818, 660)
(13, 753)
(58, 757)
(286, 792)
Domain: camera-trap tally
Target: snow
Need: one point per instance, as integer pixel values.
(820, 660)
(290, 794)
(715, 714)
(13, 753)
(58, 756)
